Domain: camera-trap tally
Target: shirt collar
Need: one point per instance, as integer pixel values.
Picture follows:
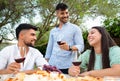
(63, 24)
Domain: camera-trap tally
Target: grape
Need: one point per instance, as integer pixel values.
(50, 68)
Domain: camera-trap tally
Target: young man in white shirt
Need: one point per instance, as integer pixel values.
(26, 35)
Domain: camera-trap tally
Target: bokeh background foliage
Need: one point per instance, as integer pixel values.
(13, 12)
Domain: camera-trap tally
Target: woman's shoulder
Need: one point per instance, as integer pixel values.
(87, 52)
(115, 48)
(85, 56)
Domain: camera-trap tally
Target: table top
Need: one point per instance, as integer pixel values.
(106, 78)
(3, 77)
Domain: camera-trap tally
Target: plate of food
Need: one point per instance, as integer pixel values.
(50, 73)
(50, 76)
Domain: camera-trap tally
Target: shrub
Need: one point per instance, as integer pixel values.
(113, 26)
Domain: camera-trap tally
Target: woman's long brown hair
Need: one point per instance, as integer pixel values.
(106, 43)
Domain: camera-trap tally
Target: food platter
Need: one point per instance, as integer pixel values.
(50, 76)
(50, 73)
(53, 76)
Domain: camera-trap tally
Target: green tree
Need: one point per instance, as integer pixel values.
(106, 8)
(113, 26)
(7, 33)
(11, 12)
(78, 9)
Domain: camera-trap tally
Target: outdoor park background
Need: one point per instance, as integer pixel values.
(41, 13)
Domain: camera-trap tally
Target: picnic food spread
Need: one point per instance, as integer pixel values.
(50, 76)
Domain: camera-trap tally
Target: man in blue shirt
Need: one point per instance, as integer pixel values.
(63, 39)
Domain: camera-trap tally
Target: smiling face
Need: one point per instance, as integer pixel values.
(62, 15)
(94, 37)
(28, 37)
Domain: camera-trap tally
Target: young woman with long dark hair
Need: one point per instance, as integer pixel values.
(103, 59)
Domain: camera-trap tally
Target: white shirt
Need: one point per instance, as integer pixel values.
(34, 57)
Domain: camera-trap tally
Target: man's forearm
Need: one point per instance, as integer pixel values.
(5, 71)
(30, 71)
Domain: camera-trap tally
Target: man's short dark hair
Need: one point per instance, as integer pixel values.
(24, 26)
(61, 6)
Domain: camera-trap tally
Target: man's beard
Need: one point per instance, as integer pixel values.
(62, 20)
(29, 44)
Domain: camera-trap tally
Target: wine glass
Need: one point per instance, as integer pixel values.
(76, 62)
(60, 39)
(18, 58)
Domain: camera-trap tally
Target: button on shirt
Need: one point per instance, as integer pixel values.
(69, 33)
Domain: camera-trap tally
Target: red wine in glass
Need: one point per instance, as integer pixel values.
(60, 43)
(77, 63)
(20, 60)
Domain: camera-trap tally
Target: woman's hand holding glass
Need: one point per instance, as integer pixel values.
(75, 69)
(76, 62)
